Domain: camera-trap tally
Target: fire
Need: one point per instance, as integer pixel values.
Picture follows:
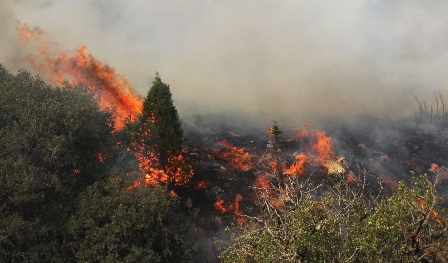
(236, 156)
(301, 132)
(433, 167)
(411, 162)
(324, 148)
(298, 167)
(422, 203)
(201, 185)
(235, 207)
(113, 91)
(152, 171)
(100, 157)
(263, 181)
(219, 205)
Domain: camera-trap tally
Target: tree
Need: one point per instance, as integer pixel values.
(66, 179)
(115, 224)
(50, 142)
(161, 118)
(160, 132)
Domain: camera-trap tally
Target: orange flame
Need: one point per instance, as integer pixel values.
(201, 185)
(113, 91)
(219, 205)
(298, 167)
(100, 157)
(421, 203)
(324, 148)
(237, 157)
(433, 167)
(235, 207)
(152, 172)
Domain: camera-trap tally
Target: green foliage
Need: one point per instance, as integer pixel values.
(160, 117)
(49, 141)
(64, 179)
(345, 223)
(114, 224)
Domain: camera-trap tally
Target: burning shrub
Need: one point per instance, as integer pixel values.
(159, 139)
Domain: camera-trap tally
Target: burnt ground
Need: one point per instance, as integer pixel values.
(386, 149)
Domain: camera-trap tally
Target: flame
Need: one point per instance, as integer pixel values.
(263, 181)
(351, 178)
(112, 90)
(235, 207)
(324, 147)
(421, 203)
(237, 157)
(301, 132)
(201, 185)
(433, 167)
(392, 184)
(219, 205)
(151, 170)
(411, 162)
(100, 157)
(298, 167)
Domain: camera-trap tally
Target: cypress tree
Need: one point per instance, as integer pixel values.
(160, 117)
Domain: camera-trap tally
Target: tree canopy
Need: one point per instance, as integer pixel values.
(64, 179)
(161, 118)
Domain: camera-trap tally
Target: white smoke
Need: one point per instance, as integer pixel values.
(295, 61)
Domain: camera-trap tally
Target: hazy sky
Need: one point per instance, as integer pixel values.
(288, 60)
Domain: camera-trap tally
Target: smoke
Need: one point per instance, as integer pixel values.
(293, 61)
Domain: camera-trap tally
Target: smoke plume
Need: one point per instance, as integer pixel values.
(294, 61)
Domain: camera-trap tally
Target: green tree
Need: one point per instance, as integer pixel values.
(160, 132)
(115, 224)
(66, 183)
(160, 117)
(54, 143)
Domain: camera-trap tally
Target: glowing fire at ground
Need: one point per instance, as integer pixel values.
(270, 163)
(298, 167)
(152, 172)
(235, 207)
(237, 157)
(113, 91)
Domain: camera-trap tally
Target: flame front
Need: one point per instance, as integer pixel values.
(237, 157)
(298, 167)
(113, 91)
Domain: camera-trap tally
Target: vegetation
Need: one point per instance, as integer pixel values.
(160, 117)
(342, 218)
(159, 132)
(64, 180)
(67, 193)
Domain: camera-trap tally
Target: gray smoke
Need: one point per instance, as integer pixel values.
(294, 61)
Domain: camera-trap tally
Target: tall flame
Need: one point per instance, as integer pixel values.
(298, 167)
(113, 91)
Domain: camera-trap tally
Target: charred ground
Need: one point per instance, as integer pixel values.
(389, 150)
